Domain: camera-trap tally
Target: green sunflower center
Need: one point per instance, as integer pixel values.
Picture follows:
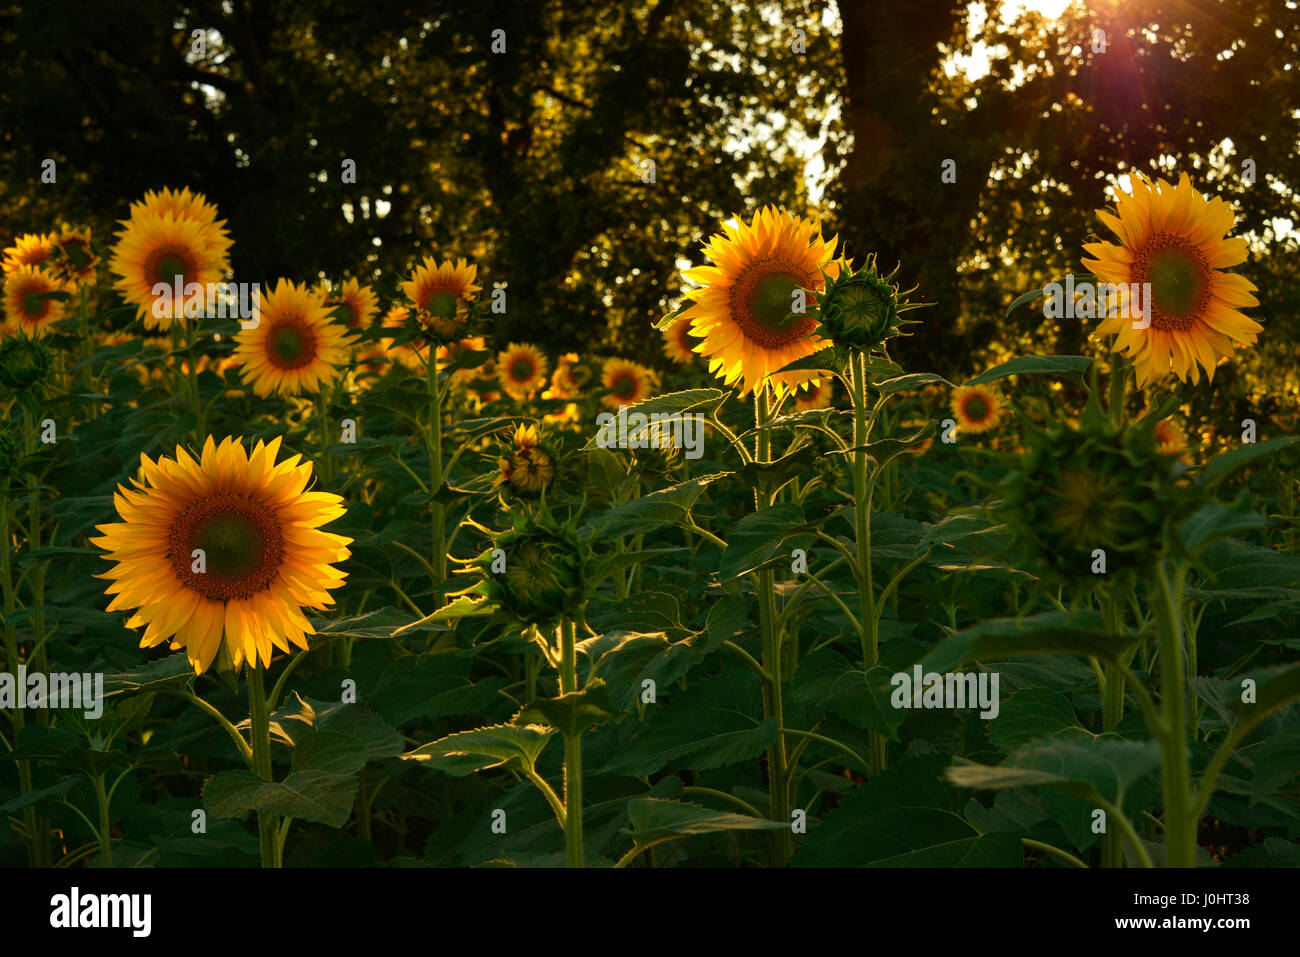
(169, 268)
(1180, 280)
(976, 408)
(441, 304)
(762, 303)
(226, 546)
(77, 254)
(34, 307)
(290, 344)
(521, 370)
(624, 386)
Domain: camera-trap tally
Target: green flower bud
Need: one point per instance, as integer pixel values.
(23, 363)
(861, 310)
(544, 576)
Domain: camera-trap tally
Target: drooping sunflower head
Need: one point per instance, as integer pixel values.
(33, 300)
(1173, 243)
(75, 260)
(294, 348)
(440, 295)
(678, 344)
(546, 569)
(522, 368)
(754, 306)
(30, 249)
(976, 408)
(161, 250)
(24, 363)
(1088, 491)
(226, 548)
(353, 304)
(626, 382)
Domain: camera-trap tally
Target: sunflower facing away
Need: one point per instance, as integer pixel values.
(160, 248)
(228, 547)
(977, 408)
(522, 367)
(742, 310)
(294, 348)
(23, 307)
(1175, 239)
(440, 294)
(626, 382)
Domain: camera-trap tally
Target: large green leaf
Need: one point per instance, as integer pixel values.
(651, 820)
(572, 713)
(321, 796)
(712, 724)
(1069, 366)
(1225, 463)
(828, 680)
(1030, 714)
(1052, 632)
(670, 403)
(660, 508)
(1108, 765)
(498, 745)
(758, 538)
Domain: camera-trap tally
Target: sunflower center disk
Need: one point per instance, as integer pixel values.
(625, 386)
(762, 299)
(441, 304)
(1179, 277)
(170, 266)
(33, 307)
(226, 546)
(521, 370)
(977, 410)
(292, 344)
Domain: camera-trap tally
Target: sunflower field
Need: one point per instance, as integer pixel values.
(328, 567)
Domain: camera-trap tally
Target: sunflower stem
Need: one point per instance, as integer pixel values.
(777, 770)
(260, 733)
(572, 749)
(862, 492)
(1180, 823)
(435, 468)
(192, 367)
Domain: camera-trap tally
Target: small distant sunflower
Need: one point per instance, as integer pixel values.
(1175, 239)
(678, 344)
(441, 293)
(359, 302)
(522, 367)
(228, 547)
(77, 262)
(1170, 439)
(294, 348)
(817, 395)
(564, 383)
(977, 408)
(161, 249)
(25, 311)
(742, 310)
(627, 382)
(30, 249)
(921, 446)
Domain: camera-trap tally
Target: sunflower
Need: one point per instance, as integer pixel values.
(816, 396)
(451, 351)
(294, 348)
(182, 204)
(1170, 439)
(31, 249)
(228, 546)
(678, 344)
(1175, 239)
(359, 304)
(23, 307)
(627, 382)
(977, 408)
(159, 248)
(564, 382)
(742, 310)
(77, 261)
(921, 446)
(440, 294)
(528, 471)
(522, 368)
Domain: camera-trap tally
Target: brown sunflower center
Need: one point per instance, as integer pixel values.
(34, 307)
(77, 253)
(1180, 280)
(440, 303)
(290, 344)
(521, 369)
(624, 385)
(239, 543)
(762, 299)
(976, 408)
(169, 263)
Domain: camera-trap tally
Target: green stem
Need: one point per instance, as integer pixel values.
(862, 515)
(435, 469)
(1112, 850)
(777, 769)
(1180, 824)
(105, 828)
(572, 750)
(260, 733)
(192, 364)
